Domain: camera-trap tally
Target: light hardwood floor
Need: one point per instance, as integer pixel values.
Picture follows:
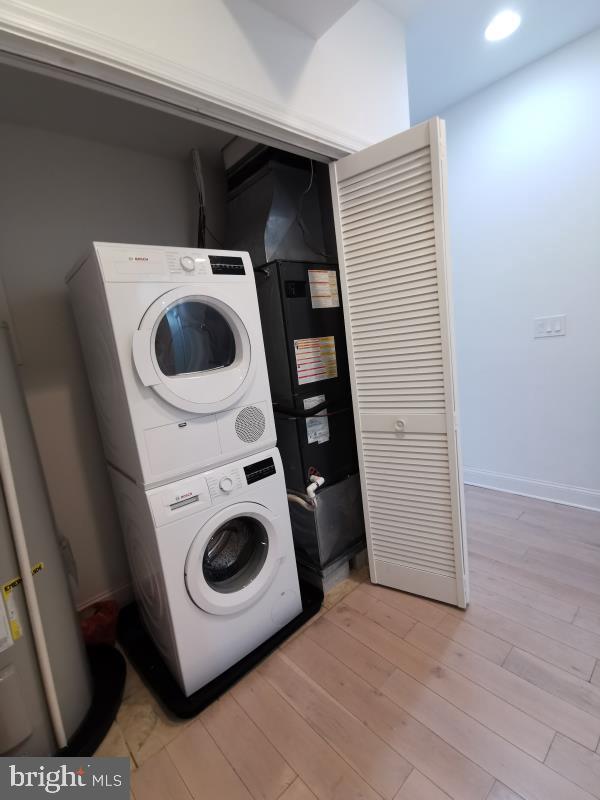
(386, 695)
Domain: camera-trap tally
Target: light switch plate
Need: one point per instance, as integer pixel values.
(549, 326)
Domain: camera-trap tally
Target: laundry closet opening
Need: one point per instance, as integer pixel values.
(80, 165)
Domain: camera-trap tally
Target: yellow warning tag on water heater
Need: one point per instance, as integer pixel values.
(9, 602)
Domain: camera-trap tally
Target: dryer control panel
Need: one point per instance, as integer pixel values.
(152, 264)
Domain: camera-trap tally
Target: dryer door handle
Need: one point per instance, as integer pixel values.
(143, 359)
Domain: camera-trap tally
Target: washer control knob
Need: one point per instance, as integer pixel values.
(187, 262)
(225, 484)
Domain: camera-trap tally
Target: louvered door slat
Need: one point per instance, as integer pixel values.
(389, 203)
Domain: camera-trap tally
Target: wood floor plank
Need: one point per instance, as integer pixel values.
(501, 792)
(298, 791)
(325, 648)
(571, 635)
(557, 653)
(158, 779)
(256, 761)
(318, 764)
(587, 619)
(576, 763)
(505, 719)
(494, 551)
(505, 505)
(415, 607)
(374, 760)
(550, 540)
(368, 604)
(595, 679)
(570, 521)
(560, 571)
(522, 594)
(482, 536)
(418, 787)
(555, 712)
(532, 579)
(488, 646)
(579, 693)
(552, 571)
(517, 770)
(588, 564)
(203, 767)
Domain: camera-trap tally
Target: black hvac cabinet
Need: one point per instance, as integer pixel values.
(305, 343)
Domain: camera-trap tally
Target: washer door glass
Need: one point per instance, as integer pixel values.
(235, 554)
(193, 337)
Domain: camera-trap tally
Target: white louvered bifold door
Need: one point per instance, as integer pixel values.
(390, 208)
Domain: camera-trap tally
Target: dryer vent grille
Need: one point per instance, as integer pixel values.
(250, 424)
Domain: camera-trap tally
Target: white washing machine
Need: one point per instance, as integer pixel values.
(213, 563)
(175, 356)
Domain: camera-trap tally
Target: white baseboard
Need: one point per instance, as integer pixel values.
(122, 595)
(542, 490)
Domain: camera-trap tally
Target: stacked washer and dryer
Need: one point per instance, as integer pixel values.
(174, 351)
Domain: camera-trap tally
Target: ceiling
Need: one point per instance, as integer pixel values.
(449, 59)
(28, 98)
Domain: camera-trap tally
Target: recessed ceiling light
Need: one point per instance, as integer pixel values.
(504, 24)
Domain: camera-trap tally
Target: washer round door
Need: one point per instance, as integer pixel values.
(233, 559)
(194, 351)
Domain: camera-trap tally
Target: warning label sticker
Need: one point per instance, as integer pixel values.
(12, 614)
(315, 359)
(323, 288)
(317, 427)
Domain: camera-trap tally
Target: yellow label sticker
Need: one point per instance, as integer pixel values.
(8, 587)
(9, 601)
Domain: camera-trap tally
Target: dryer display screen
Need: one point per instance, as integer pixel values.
(227, 265)
(259, 470)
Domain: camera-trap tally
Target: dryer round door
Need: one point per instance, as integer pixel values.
(233, 559)
(194, 351)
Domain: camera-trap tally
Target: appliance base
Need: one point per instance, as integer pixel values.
(144, 656)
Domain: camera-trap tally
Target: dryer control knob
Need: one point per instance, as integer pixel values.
(187, 262)
(225, 484)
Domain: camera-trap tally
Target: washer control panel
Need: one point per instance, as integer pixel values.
(225, 482)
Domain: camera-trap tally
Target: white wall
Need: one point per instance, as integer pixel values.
(350, 85)
(524, 196)
(57, 194)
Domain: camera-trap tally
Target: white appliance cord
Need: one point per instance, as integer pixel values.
(31, 599)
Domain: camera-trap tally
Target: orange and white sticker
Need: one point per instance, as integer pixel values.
(315, 359)
(323, 288)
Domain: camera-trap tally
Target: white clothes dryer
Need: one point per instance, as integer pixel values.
(174, 352)
(213, 564)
